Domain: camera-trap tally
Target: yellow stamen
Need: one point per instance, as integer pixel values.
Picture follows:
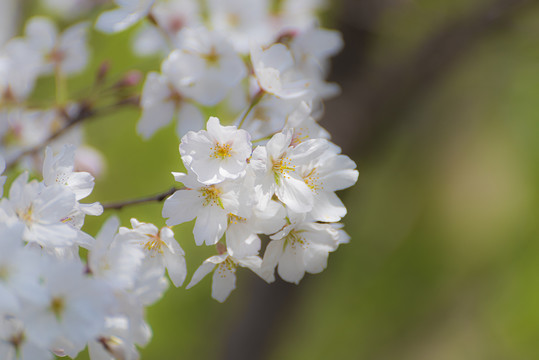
(211, 196)
(57, 306)
(313, 181)
(221, 151)
(235, 219)
(212, 58)
(282, 166)
(154, 244)
(4, 273)
(226, 266)
(294, 239)
(298, 138)
(26, 216)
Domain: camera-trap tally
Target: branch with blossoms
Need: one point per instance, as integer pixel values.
(264, 168)
(83, 112)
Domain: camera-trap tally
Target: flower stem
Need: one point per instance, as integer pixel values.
(255, 101)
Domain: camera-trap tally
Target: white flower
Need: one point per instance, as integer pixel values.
(303, 246)
(224, 273)
(42, 211)
(15, 344)
(305, 127)
(149, 40)
(275, 167)
(314, 46)
(112, 347)
(241, 21)
(150, 282)
(300, 14)
(115, 262)
(28, 128)
(74, 310)
(125, 328)
(241, 236)
(171, 17)
(127, 14)
(268, 116)
(217, 154)
(159, 244)
(22, 65)
(209, 204)
(68, 52)
(205, 67)
(274, 70)
(59, 169)
(311, 50)
(324, 175)
(160, 101)
(19, 270)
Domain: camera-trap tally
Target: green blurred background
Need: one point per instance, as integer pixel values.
(440, 110)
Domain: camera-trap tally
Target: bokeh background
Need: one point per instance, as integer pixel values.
(440, 110)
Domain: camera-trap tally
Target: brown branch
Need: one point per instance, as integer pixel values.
(85, 112)
(155, 198)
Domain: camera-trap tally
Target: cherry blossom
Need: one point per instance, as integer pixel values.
(216, 154)
(260, 179)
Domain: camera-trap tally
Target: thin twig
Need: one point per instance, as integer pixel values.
(84, 113)
(254, 102)
(155, 198)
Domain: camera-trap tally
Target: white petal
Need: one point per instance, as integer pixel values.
(181, 207)
(327, 207)
(295, 194)
(210, 225)
(73, 45)
(315, 259)
(176, 268)
(340, 173)
(53, 235)
(189, 119)
(241, 241)
(203, 270)
(154, 118)
(116, 20)
(81, 183)
(54, 203)
(252, 262)
(279, 143)
(291, 266)
(41, 33)
(224, 281)
(93, 209)
(108, 230)
(273, 253)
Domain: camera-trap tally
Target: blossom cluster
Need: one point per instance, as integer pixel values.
(51, 301)
(42, 51)
(284, 189)
(260, 178)
(266, 168)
